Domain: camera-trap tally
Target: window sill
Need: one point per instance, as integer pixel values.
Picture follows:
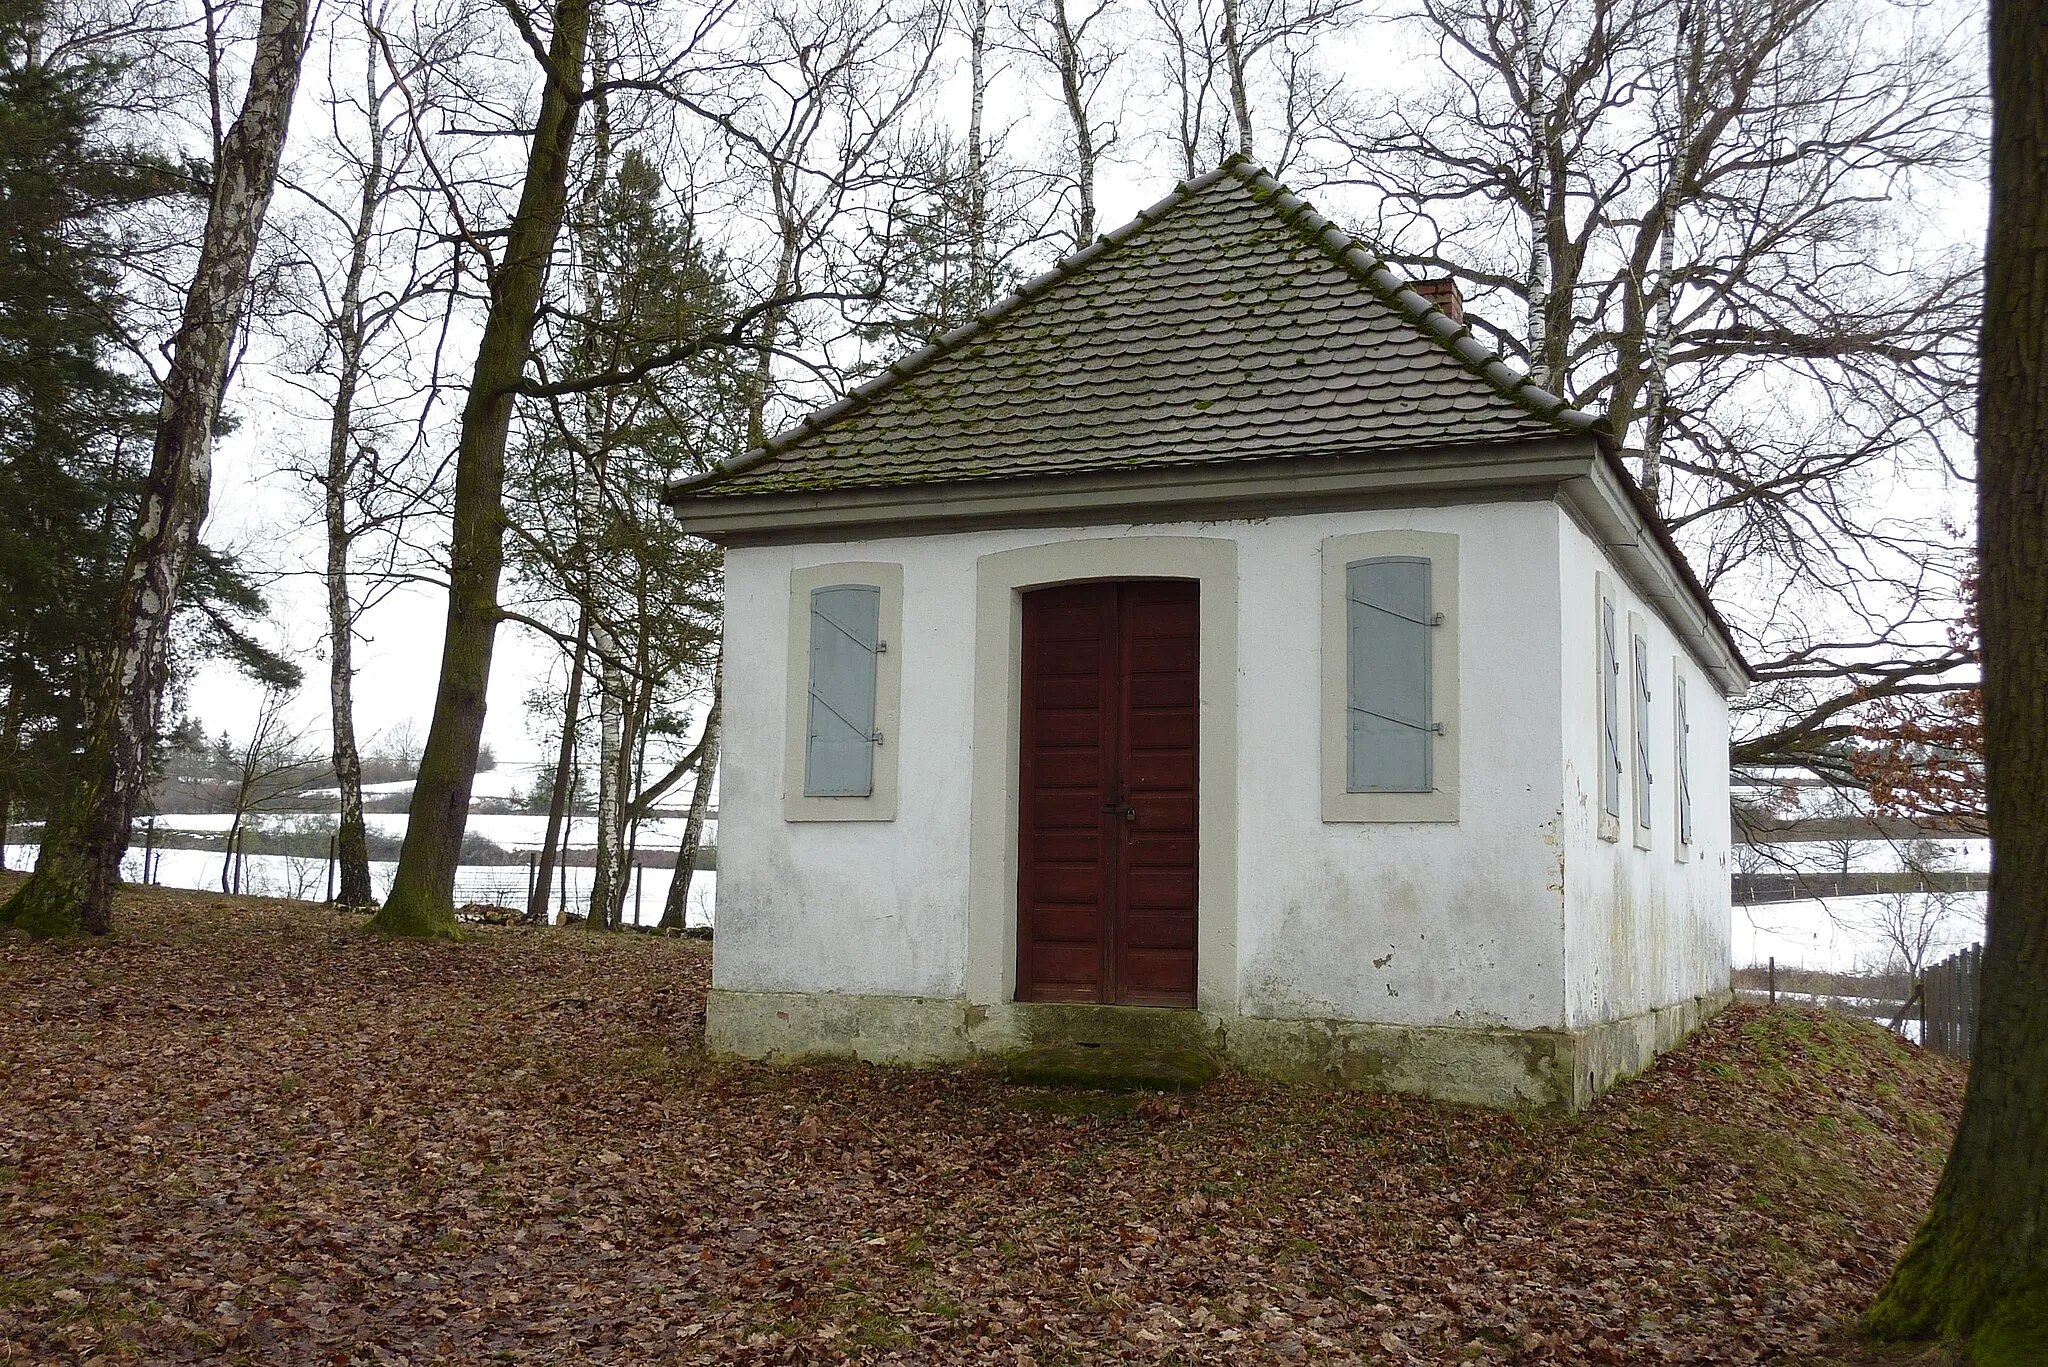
(1341, 806)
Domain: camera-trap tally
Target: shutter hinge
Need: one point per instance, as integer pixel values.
(876, 738)
(1436, 619)
(1437, 727)
(881, 647)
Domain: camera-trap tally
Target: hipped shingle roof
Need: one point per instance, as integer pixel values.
(1228, 322)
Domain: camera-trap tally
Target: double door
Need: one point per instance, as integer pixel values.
(1107, 838)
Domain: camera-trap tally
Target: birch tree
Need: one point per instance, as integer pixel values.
(1077, 44)
(354, 334)
(1246, 78)
(80, 857)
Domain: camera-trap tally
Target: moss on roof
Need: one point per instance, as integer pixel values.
(1228, 322)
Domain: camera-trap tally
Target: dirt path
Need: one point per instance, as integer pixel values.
(242, 1131)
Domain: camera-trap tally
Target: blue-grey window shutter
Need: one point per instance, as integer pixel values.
(839, 752)
(1640, 650)
(1684, 730)
(1388, 621)
(1610, 711)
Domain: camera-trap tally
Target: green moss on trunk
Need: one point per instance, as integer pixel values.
(416, 917)
(1978, 1269)
(45, 908)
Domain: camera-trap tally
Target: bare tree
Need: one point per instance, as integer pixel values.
(421, 901)
(704, 765)
(273, 763)
(1708, 195)
(356, 329)
(1190, 57)
(83, 844)
(1077, 44)
(819, 131)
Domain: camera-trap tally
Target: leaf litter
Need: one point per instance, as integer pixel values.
(245, 1131)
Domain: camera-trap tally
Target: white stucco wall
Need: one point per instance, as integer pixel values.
(1413, 923)
(1643, 927)
(1465, 923)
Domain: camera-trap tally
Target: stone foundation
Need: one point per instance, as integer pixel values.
(1548, 1069)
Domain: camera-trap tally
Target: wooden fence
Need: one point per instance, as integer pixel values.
(1948, 1003)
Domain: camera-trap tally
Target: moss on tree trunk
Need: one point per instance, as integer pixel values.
(422, 899)
(80, 859)
(1978, 1268)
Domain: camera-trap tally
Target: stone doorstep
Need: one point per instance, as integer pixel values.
(1114, 1067)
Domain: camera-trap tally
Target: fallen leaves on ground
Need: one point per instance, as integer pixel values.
(246, 1131)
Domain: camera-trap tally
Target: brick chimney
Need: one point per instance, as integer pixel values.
(1444, 294)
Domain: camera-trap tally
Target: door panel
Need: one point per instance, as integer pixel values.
(1107, 811)
(1154, 889)
(1066, 766)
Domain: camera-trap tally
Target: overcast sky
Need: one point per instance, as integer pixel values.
(264, 512)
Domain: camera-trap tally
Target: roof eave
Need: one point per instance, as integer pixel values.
(1617, 514)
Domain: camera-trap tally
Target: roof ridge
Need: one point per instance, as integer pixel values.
(1350, 253)
(1369, 268)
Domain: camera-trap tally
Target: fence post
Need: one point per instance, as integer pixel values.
(530, 872)
(562, 916)
(148, 847)
(333, 843)
(1773, 971)
(639, 873)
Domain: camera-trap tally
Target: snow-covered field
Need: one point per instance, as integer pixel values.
(274, 875)
(515, 831)
(1839, 935)
(1845, 934)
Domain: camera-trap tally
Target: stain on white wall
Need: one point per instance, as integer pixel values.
(1516, 915)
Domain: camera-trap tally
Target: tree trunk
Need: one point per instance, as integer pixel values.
(1077, 115)
(632, 753)
(977, 167)
(1233, 56)
(675, 911)
(88, 833)
(10, 747)
(1659, 389)
(1537, 110)
(352, 844)
(1978, 1268)
(227, 858)
(422, 900)
(565, 776)
(606, 870)
(762, 381)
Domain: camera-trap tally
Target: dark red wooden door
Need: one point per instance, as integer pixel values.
(1106, 811)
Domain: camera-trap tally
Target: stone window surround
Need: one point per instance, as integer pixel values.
(1440, 804)
(880, 802)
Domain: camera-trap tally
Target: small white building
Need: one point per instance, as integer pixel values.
(1217, 644)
